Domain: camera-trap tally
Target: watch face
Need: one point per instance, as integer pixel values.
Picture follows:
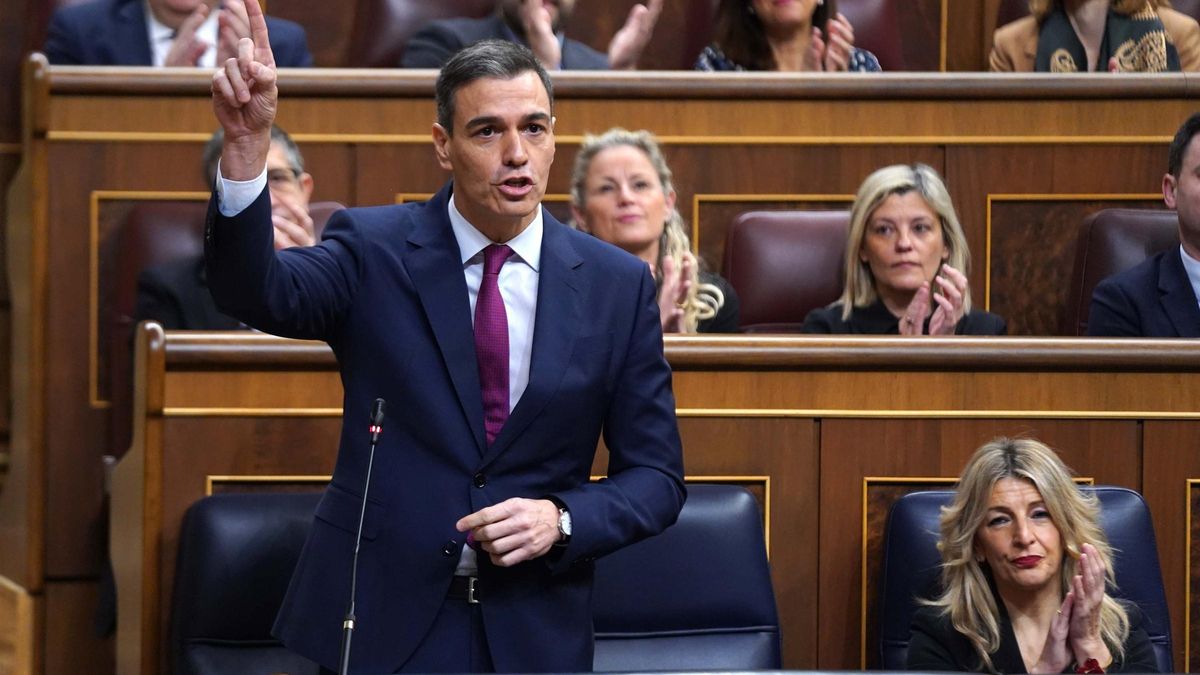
(564, 522)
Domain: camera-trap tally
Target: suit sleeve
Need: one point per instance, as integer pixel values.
(430, 47)
(644, 489)
(1112, 314)
(301, 292)
(927, 651)
(62, 41)
(289, 42)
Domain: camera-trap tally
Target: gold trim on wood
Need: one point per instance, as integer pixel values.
(211, 480)
(862, 591)
(576, 139)
(936, 414)
(1187, 576)
(251, 412)
(95, 198)
(1040, 197)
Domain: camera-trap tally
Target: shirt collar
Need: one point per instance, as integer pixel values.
(527, 245)
(161, 34)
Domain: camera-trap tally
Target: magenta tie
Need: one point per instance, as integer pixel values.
(491, 341)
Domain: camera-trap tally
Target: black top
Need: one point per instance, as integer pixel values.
(726, 319)
(936, 646)
(877, 319)
(176, 295)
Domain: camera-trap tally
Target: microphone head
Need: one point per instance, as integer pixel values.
(377, 409)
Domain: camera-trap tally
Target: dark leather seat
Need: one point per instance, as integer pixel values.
(696, 597)
(154, 233)
(1112, 241)
(236, 555)
(784, 264)
(911, 565)
(382, 27)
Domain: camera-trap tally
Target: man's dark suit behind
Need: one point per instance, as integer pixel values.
(434, 44)
(386, 289)
(1154, 299)
(113, 33)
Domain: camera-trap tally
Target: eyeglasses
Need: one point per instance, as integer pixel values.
(282, 178)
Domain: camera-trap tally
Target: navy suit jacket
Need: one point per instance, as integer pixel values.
(386, 289)
(433, 45)
(113, 33)
(1153, 299)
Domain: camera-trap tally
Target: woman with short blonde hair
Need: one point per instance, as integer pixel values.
(906, 262)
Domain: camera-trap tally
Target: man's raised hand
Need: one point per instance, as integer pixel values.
(245, 99)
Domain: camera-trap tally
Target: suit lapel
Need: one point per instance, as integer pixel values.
(1177, 296)
(131, 39)
(435, 265)
(555, 326)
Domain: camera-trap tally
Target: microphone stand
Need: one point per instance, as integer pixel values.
(348, 624)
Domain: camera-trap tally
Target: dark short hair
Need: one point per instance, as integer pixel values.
(1179, 145)
(212, 152)
(498, 59)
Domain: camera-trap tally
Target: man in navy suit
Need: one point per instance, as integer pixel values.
(1158, 298)
(175, 33)
(505, 344)
(537, 24)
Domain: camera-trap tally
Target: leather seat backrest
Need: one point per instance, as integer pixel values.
(784, 264)
(382, 27)
(1112, 241)
(696, 597)
(877, 29)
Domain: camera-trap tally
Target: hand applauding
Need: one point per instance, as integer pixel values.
(950, 288)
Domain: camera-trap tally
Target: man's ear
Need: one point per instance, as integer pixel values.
(306, 186)
(1169, 184)
(441, 146)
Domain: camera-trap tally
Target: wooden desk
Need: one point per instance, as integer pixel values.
(826, 433)
(1025, 157)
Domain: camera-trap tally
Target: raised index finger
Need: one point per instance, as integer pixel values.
(258, 32)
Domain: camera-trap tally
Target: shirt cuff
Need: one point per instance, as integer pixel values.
(233, 196)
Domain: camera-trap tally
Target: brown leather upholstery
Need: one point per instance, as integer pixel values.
(382, 27)
(1112, 241)
(877, 29)
(1011, 10)
(154, 233)
(784, 264)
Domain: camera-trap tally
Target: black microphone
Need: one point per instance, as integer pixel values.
(375, 429)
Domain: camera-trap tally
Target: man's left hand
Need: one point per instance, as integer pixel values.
(515, 530)
(628, 44)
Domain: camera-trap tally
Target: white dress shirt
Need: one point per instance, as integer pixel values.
(518, 284)
(162, 35)
(1192, 267)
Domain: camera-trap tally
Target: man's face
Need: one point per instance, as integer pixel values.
(173, 12)
(560, 11)
(285, 182)
(500, 152)
(1182, 193)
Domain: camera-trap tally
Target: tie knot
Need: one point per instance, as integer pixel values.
(494, 257)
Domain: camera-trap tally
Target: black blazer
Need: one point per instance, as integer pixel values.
(433, 45)
(176, 295)
(878, 320)
(1154, 299)
(113, 33)
(936, 646)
